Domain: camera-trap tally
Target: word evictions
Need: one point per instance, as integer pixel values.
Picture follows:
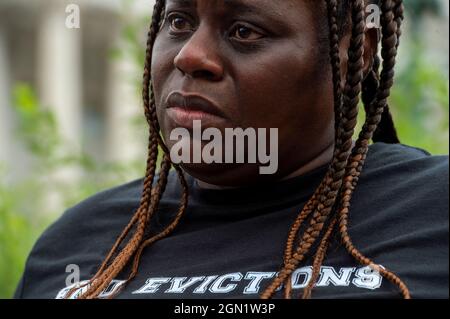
(249, 283)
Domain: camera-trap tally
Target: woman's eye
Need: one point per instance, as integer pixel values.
(179, 24)
(245, 33)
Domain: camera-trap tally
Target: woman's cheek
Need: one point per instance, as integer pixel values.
(163, 56)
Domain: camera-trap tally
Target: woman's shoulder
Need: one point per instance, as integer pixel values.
(399, 215)
(405, 185)
(110, 201)
(81, 235)
(104, 213)
(400, 151)
(405, 161)
(391, 167)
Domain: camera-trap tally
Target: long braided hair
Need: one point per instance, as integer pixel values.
(327, 210)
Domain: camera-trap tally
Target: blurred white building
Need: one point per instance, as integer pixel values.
(72, 73)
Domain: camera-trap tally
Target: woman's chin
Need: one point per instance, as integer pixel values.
(225, 175)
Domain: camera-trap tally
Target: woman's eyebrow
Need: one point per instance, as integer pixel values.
(182, 3)
(243, 6)
(266, 10)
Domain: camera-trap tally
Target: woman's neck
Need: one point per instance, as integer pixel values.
(324, 157)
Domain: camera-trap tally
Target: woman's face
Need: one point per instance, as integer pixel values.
(261, 63)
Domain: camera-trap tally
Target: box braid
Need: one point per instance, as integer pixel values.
(334, 178)
(392, 15)
(119, 256)
(335, 189)
(385, 131)
(375, 100)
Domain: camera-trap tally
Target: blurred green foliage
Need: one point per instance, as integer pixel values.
(419, 103)
(24, 204)
(17, 233)
(416, 8)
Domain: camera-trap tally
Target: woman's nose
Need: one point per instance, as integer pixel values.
(199, 59)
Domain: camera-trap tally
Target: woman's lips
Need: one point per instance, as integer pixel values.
(185, 117)
(183, 109)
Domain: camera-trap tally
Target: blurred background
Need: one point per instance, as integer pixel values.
(70, 109)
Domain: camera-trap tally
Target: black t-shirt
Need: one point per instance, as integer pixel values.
(230, 242)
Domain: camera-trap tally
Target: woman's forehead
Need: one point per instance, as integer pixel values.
(283, 12)
(244, 5)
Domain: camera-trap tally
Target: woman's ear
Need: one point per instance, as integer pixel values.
(344, 44)
(370, 49)
(372, 37)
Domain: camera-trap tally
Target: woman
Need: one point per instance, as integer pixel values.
(348, 218)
